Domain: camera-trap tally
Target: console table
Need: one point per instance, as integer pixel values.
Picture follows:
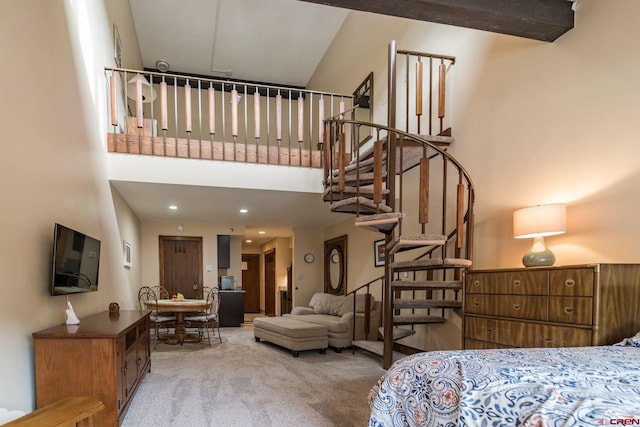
(104, 357)
(581, 305)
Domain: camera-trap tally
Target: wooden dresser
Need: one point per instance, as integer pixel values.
(104, 357)
(581, 305)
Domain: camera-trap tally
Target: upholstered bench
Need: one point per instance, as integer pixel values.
(292, 334)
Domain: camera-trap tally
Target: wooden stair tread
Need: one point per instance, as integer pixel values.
(379, 222)
(425, 303)
(398, 333)
(333, 192)
(440, 140)
(403, 243)
(417, 319)
(411, 285)
(361, 204)
(363, 178)
(430, 263)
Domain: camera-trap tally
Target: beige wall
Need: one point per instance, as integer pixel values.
(307, 277)
(534, 123)
(54, 170)
(151, 231)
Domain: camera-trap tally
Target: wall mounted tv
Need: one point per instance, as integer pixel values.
(76, 260)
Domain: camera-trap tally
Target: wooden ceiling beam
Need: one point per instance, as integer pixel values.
(544, 20)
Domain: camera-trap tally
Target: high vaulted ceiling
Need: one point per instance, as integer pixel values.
(282, 42)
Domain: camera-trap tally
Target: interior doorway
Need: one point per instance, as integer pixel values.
(270, 283)
(251, 282)
(181, 265)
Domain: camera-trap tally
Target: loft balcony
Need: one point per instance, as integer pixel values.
(171, 115)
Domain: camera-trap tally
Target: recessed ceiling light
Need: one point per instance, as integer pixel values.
(261, 232)
(249, 241)
(173, 207)
(243, 210)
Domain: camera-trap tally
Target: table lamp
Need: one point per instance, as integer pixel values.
(537, 222)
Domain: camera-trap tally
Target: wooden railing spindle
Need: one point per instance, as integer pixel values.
(112, 98)
(377, 171)
(139, 114)
(212, 109)
(187, 108)
(441, 91)
(163, 106)
(423, 199)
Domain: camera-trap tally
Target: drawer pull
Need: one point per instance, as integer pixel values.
(476, 304)
(569, 282)
(517, 282)
(476, 283)
(516, 306)
(568, 309)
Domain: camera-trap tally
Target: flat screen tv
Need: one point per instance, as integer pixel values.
(76, 260)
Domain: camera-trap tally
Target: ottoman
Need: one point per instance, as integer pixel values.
(291, 334)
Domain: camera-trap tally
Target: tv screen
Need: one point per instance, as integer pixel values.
(76, 260)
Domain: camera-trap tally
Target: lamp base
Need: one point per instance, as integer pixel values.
(539, 255)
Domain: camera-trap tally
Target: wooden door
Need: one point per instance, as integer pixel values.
(251, 283)
(181, 265)
(270, 283)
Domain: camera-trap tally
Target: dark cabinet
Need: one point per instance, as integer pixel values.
(231, 308)
(224, 251)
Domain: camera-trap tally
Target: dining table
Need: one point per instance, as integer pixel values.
(180, 307)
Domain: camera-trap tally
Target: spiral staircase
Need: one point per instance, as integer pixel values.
(405, 186)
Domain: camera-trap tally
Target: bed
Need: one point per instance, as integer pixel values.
(571, 386)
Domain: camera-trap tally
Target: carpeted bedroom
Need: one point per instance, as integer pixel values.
(241, 382)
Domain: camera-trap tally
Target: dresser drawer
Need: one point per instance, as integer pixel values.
(572, 282)
(477, 304)
(477, 283)
(523, 334)
(480, 329)
(519, 306)
(577, 310)
(471, 344)
(520, 283)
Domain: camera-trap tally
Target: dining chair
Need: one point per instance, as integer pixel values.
(209, 318)
(161, 292)
(158, 319)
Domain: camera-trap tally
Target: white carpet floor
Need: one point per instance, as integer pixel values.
(240, 382)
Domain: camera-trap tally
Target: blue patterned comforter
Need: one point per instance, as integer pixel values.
(580, 386)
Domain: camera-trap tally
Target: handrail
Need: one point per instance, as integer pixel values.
(182, 115)
(407, 135)
(367, 308)
(70, 411)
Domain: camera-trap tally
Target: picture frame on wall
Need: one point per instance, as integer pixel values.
(126, 254)
(378, 253)
(117, 46)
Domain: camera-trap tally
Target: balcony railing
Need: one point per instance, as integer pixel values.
(194, 117)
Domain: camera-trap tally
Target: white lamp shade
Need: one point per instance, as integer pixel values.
(148, 93)
(542, 220)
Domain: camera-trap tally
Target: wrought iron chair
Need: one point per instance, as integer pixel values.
(158, 319)
(208, 319)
